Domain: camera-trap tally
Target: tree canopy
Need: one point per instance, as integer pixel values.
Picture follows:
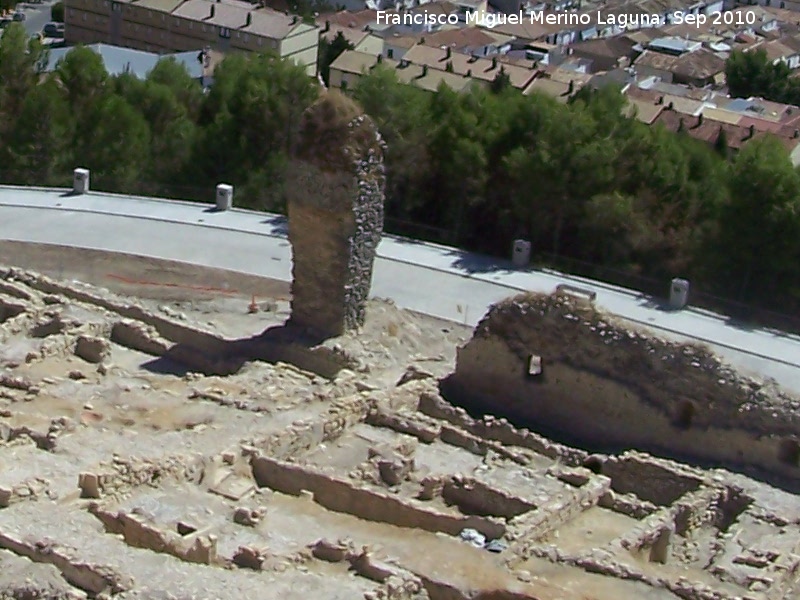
(753, 74)
(477, 169)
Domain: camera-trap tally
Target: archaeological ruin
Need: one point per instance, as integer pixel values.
(119, 479)
(247, 439)
(558, 365)
(335, 196)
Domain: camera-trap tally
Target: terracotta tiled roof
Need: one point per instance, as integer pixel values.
(644, 111)
(354, 36)
(615, 47)
(466, 37)
(485, 69)
(700, 64)
(708, 130)
(352, 19)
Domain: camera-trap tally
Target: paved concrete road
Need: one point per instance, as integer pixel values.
(36, 15)
(435, 280)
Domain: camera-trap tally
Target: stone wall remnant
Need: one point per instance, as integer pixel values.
(335, 197)
(607, 385)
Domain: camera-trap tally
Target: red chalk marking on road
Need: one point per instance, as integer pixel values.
(196, 288)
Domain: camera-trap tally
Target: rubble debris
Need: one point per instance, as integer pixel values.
(248, 516)
(354, 484)
(496, 546)
(472, 537)
(250, 558)
(92, 349)
(413, 373)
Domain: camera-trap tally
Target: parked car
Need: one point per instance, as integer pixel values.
(53, 30)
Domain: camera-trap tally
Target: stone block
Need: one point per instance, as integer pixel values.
(92, 349)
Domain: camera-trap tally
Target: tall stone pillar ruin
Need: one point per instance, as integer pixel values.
(335, 194)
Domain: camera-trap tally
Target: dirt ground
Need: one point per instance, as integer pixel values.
(122, 478)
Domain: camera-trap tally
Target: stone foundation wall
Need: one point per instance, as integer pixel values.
(123, 474)
(157, 335)
(608, 386)
(343, 496)
(477, 498)
(532, 527)
(138, 533)
(657, 481)
(497, 430)
(302, 437)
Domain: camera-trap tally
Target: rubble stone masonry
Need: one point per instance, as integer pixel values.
(607, 386)
(335, 199)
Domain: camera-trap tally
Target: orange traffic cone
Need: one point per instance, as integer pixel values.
(253, 308)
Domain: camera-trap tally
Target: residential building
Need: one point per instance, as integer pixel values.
(465, 7)
(785, 50)
(350, 66)
(674, 46)
(793, 5)
(361, 40)
(528, 32)
(163, 26)
(699, 68)
(540, 52)
(644, 111)
(396, 45)
(471, 40)
(361, 19)
(737, 134)
(606, 54)
(483, 69)
(622, 79)
(438, 13)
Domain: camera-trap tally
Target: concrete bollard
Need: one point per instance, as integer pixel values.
(80, 181)
(521, 254)
(224, 196)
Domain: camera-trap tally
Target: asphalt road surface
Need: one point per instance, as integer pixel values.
(442, 282)
(36, 15)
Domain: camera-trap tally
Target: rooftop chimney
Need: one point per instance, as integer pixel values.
(213, 12)
(447, 55)
(249, 20)
(494, 62)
